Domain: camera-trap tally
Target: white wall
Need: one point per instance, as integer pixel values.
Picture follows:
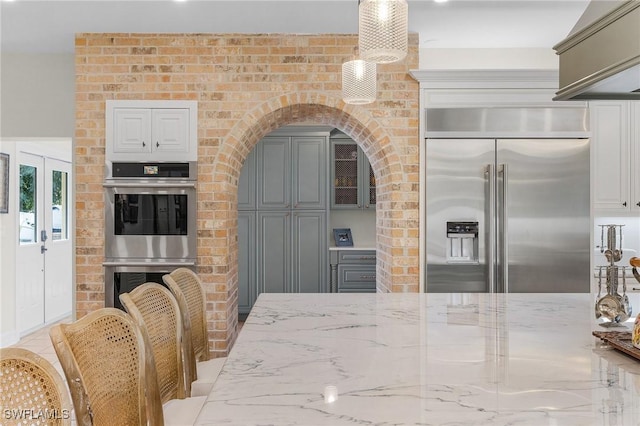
(8, 231)
(361, 222)
(38, 95)
(531, 58)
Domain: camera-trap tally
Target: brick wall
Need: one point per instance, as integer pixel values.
(246, 86)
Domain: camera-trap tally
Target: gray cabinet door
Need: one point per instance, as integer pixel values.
(274, 252)
(247, 183)
(246, 261)
(274, 173)
(309, 252)
(309, 172)
(368, 183)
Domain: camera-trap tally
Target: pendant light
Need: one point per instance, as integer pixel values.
(359, 81)
(383, 34)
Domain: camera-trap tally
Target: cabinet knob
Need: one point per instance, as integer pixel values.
(143, 144)
(624, 204)
(638, 204)
(157, 144)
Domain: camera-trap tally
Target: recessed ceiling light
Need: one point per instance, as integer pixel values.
(441, 1)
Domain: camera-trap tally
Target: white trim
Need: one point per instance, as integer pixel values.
(487, 79)
(9, 338)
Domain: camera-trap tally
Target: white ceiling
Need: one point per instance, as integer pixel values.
(49, 26)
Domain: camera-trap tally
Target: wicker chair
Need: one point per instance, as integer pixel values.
(109, 369)
(31, 388)
(157, 313)
(187, 289)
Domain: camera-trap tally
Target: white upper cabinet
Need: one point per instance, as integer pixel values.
(615, 155)
(151, 130)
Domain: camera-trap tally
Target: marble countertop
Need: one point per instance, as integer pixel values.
(341, 248)
(424, 359)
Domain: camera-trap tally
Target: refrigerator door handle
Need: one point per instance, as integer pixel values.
(503, 170)
(491, 227)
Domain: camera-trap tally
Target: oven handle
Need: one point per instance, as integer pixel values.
(127, 263)
(149, 185)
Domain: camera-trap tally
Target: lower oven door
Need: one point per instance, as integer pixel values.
(122, 277)
(150, 220)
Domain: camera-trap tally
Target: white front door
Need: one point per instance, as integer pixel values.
(29, 257)
(58, 245)
(44, 253)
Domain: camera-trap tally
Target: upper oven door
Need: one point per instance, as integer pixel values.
(150, 220)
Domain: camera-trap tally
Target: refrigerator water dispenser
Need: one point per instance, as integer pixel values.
(462, 242)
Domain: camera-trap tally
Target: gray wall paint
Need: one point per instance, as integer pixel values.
(38, 95)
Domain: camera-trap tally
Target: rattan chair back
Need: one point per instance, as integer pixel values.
(109, 368)
(156, 311)
(31, 390)
(187, 288)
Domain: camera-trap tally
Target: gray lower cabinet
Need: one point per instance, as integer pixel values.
(274, 252)
(247, 183)
(309, 252)
(353, 271)
(246, 260)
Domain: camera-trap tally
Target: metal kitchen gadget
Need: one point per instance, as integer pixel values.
(612, 306)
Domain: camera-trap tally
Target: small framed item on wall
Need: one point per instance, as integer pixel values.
(342, 237)
(4, 183)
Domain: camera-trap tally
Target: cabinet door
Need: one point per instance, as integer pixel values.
(247, 291)
(170, 130)
(356, 278)
(635, 148)
(274, 252)
(309, 172)
(274, 173)
(610, 177)
(132, 130)
(309, 252)
(247, 183)
(368, 183)
(345, 175)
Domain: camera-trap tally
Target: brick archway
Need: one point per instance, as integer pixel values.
(218, 255)
(234, 77)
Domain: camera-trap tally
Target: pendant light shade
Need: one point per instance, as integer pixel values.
(359, 82)
(383, 34)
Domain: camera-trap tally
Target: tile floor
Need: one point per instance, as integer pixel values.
(40, 343)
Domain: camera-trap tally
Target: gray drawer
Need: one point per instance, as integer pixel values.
(356, 277)
(361, 257)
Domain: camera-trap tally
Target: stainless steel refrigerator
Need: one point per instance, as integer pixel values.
(507, 215)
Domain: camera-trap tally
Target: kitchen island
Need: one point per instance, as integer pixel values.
(427, 359)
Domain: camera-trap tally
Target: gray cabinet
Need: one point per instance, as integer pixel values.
(274, 252)
(309, 171)
(353, 271)
(247, 183)
(246, 260)
(353, 182)
(283, 184)
(309, 251)
(274, 173)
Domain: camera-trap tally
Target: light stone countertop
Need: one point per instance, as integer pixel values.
(343, 248)
(427, 359)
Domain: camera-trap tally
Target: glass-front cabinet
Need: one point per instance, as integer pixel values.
(353, 184)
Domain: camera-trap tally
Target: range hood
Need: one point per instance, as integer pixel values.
(600, 59)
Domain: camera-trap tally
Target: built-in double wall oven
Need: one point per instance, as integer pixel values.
(150, 223)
